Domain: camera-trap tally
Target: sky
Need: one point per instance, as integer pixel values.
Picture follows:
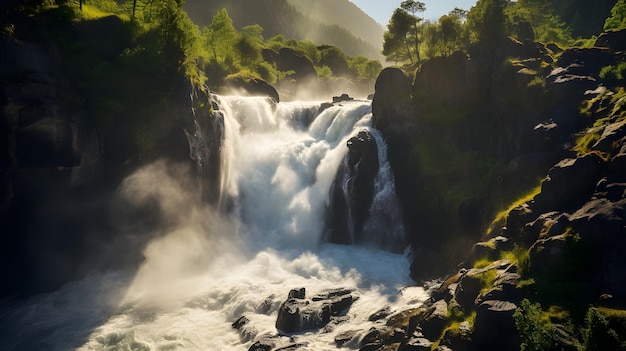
(381, 10)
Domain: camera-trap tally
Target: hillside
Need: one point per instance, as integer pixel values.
(359, 36)
(344, 14)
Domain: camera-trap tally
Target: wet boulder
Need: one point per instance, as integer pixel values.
(298, 314)
(353, 191)
(494, 328)
(253, 87)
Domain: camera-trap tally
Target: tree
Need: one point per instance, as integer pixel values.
(254, 32)
(450, 28)
(487, 20)
(458, 13)
(395, 41)
(415, 7)
(617, 20)
(534, 330)
(248, 50)
(334, 58)
(538, 16)
(220, 36)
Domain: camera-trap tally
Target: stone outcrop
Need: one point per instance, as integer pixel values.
(353, 191)
(298, 314)
(287, 59)
(60, 161)
(252, 87)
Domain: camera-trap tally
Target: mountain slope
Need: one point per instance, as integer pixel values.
(345, 14)
(301, 22)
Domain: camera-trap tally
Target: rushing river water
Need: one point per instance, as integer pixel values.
(208, 267)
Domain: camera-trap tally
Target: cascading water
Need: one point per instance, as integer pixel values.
(208, 268)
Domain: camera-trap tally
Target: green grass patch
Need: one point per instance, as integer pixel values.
(482, 263)
(501, 216)
(518, 256)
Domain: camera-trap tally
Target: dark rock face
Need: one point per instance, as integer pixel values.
(288, 59)
(353, 191)
(60, 165)
(253, 87)
(614, 40)
(298, 314)
(342, 98)
(494, 328)
(391, 102)
(569, 181)
(205, 137)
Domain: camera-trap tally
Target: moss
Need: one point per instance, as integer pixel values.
(501, 216)
(518, 256)
(585, 142)
(482, 263)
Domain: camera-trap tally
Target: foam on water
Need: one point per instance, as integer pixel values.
(210, 268)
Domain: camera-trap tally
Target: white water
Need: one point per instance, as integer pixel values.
(208, 269)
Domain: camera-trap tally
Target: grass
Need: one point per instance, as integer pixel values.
(501, 216)
(520, 257)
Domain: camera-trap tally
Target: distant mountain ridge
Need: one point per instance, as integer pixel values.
(345, 14)
(333, 22)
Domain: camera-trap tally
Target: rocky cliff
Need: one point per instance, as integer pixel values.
(61, 161)
(482, 127)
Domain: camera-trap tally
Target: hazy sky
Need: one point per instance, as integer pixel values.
(381, 10)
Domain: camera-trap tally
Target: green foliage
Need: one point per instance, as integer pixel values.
(248, 50)
(617, 20)
(520, 257)
(310, 50)
(598, 335)
(396, 44)
(614, 75)
(487, 20)
(362, 67)
(585, 142)
(323, 71)
(533, 327)
(266, 71)
(253, 32)
(540, 15)
(220, 37)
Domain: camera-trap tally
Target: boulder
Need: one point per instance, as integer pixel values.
(353, 191)
(494, 328)
(342, 98)
(546, 225)
(611, 134)
(569, 181)
(288, 59)
(391, 102)
(298, 314)
(380, 314)
(491, 248)
(344, 338)
(246, 331)
(416, 344)
(612, 39)
(591, 60)
(435, 320)
(600, 224)
(252, 87)
(617, 169)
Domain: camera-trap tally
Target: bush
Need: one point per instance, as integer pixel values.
(597, 335)
(534, 330)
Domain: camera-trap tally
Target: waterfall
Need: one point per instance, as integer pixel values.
(214, 263)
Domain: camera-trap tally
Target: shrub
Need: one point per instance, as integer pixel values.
(534, 330)
(597, 335)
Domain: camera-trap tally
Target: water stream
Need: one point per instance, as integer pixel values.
(210, 267)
